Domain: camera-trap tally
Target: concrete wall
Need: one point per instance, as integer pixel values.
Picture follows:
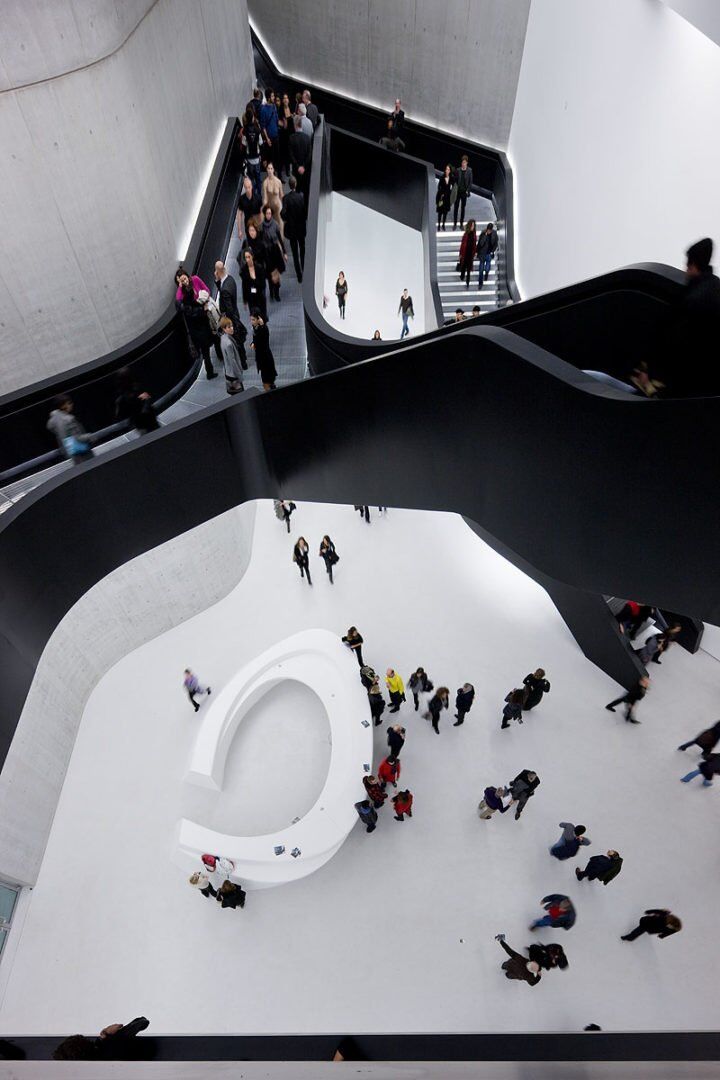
(455, 64)
(102, 167)
(135, 603)
(612, 142)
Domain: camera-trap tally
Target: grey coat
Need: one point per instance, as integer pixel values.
(231, 358)
(63, 425)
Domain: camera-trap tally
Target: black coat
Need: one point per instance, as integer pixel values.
(691, 368)
(233, 899)
(522, 783)
(227, 302)
(197, 323)
(377, 705)
(443, 199)
(535, 690)
(487, 243)
(140, 412)
(396, 741)
(654, 921)
(436, 705)
(250, 207)
(710, 766)
(707, 740)
(293, 214)
(464, 700)
(300, 146)
(253, 292)
(603, 868)
(263, 354)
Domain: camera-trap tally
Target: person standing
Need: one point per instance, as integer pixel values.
(264, 358)
(389, 771)
(406, 310)
(436, 704)
(601, 868)
(364, 512)
(227, 302)
(249, 206)
(707, 769)
(310, 109)
(658, 921)
(354, 641)
(293, 215)
(272, 194)
(491, 802)
(560, 912)
(193, 687)
(631, 699)
(276, 256)
(285, 129)
(513, 707)
(522, 788)
(707, 740)
(268, 120)
(283, 510)
(463, 179)
(252, 279)
(301, 557)
(518, 967)
(367, 814)
(341, 291)
(375, 792)
(198, 325)
(396, 689)
(328, 555)
(300, 147)
(468, 247)
(305, 122)
(133, 404)
(230, 895)
(252, 138)
(443, 199)
(403, 804)
(397, 116)
(232, 357)
(201, 881)
(536, 685)
(573, 836)
(377, 701)
(548, 956)
(396, 739)
(463, 702)
(419, 683)
(367, 675)
(486, 248)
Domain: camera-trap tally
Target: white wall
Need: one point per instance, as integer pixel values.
(614, 139)
(102, 167)
(454, 64)
(705, 14)
(141, 599)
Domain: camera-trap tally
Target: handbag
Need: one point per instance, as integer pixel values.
(75, 447)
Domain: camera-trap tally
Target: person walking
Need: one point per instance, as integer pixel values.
(367, 814)
(708, 768)
(354, 641)
(341, 291)
(536, 686)
(463, 702)
(560, 912)
(230, 895)
(443, 198)
(134, 404)
(328, 555)
(403, 804)
(276, 256)
(252, 280)
(201, 881)
(463, 180)
(285, 129)
(548, 956)
(268, 120)
(375, 792)
(405, 309)
(630, 618)
(439, 701)
(232, 358)
(377, 701)
(396, 689)
(491, 802)
(518, 966)
(522, 788)
(419, 683)
(293, 216)
(573, 837)
(264, 358)
(513, 707)
(468, 247)
(601, 868)
(486, 248)
(252, 140)
(364, 512)
(631, 699)
(396, 739)
(658, 921)
(389, 771)
(193, 687)
(301, 557)
(707, 740)
(283, 510)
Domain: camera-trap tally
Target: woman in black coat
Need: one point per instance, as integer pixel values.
(328, 555)
(301, 556)
(443, 199)
(198, 326)
(230, 895)
(253, 281)
(376, 701)
(658, 921)
(263, 354)
(537, 685)
(439, 701)
(418, 683)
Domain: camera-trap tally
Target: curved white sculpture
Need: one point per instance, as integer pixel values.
(317, 659)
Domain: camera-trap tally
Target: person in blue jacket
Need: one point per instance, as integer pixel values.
(560, 912)
(569, 843)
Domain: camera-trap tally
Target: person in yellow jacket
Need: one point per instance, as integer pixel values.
(396, 689)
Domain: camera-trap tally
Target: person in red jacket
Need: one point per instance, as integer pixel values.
(389, 771)
(403, 805)
(468, 247)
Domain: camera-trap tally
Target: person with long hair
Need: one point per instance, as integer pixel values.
(264, 358)
(375, 792)
(328, 555)
(301, 558)
(468, 247)
(443, 199)
(276, 256)
(196, 319)
(512, 709)
(252, 280)
(285, 129)
(354, 641)
(439, 701)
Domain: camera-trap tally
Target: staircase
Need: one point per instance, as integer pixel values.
(453, 293)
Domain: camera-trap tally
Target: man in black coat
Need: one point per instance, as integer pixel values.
(601, 868)
(293, 214)
(463, 702)
(523, 788)
(227, 302)
(300, 146)
(397, 116)
(311, 111)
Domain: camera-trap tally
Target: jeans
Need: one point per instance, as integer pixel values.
(253, 171)
(545, 921)
(405, 328)
(297, 246)
(695, 772)
(485, 263)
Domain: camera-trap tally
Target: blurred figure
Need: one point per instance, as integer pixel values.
(708, 768)
(560, 912)
(402, 802)
(707, 740)
(658, 921)
(519, 967)
(367, 814)
(283, 510)
(601, 868)
(134, 404)
(439, 701)
(71, 437)
(631, 699)
(468, 247)
(573, 837)
(419, 683)
(193, 687)
(463, 702)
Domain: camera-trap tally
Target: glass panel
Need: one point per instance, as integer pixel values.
(8, 898)
(3, 935)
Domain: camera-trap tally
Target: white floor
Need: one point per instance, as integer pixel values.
(379, 257)
(396, 931)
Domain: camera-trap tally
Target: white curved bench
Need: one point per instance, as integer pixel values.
(318, 660)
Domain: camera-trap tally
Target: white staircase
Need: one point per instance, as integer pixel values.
(453, 293)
